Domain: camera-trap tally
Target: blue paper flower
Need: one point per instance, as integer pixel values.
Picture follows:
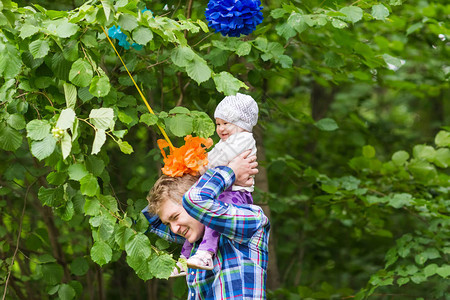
(234, 17)
(115, 33)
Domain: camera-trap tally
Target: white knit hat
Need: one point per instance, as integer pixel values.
(240, 110)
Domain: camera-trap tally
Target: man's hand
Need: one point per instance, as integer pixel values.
(244, 168)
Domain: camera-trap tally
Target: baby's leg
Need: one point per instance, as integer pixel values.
(186, 250)
(236, 197)
(210, 241)
(203, 257)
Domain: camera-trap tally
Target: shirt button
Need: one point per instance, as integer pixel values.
(192, 294)
(192, 273)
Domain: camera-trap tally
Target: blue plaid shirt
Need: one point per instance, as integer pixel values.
(240, 266)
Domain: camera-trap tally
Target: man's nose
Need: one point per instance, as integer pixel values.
(174, 228)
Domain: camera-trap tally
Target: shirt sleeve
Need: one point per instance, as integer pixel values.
(238, 223)
(157, 227)
(225, 151)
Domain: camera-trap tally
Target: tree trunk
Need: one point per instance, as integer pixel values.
(262, 183)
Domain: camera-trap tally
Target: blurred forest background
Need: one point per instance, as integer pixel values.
(353, 143)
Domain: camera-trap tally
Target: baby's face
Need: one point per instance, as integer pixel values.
(225, 129)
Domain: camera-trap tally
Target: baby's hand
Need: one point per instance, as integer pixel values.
(202, 170)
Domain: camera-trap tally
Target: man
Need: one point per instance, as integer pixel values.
(240, 265)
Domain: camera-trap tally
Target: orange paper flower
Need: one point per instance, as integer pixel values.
(188, 159)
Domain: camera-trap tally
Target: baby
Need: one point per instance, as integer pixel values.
(235, 118)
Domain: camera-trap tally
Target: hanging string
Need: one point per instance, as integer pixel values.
(139, 90)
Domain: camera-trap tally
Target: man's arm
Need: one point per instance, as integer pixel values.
(163, 231)
(236, 222)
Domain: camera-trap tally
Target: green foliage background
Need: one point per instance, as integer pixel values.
(353, 143)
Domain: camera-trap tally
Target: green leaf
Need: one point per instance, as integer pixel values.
(333, 60)
(89, 185)
(424, 152)
(66, 292)
(122, 235)
(285, 61)
(52, 273)
(28, 30)
(203, 126)
(57, 178)
(162, 265)
(66, 145)
(10, 61)
(102, 118)
(127, 22)
(138, 246)
(101, 253)
(109, 202)
(91, 207)
(100, 86)
(107, 8)
(84, 94)
(16, 121)
(95, 165)
(39, 48)
(352, 13)
(443, 271)
(67, 211)
(430, 270)
(326, 124)
(393, 63)
(400, 157)
(142, 35)
(402, 280)
(51, 197)
(244, 49)
(285, 30)
(81, 73)
(198, 70)
(179, 110)
(413, 28)
(70, 51)
(149, 119)
(99, 140)
(182, 56)
(125, 147)
(70, 93)
(442, 158)
(339, 24)
(10, 139)
(77, 171)
(43, 148)
(297, 21)
(227, 83)
(142, 268)
(180, 125)
(368, 151)
(162, 244)
(65, 29)
(66, 119)
(400, 200)
(442, 139)
(380, 12)
(37, 129)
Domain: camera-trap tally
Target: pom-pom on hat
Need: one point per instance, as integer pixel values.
(240, 110)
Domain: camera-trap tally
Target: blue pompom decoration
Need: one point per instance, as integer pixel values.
(234, 17)
(115, 33)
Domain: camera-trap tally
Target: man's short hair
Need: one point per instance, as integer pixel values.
(167, 187)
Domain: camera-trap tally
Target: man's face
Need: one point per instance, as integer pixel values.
(174, 215)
